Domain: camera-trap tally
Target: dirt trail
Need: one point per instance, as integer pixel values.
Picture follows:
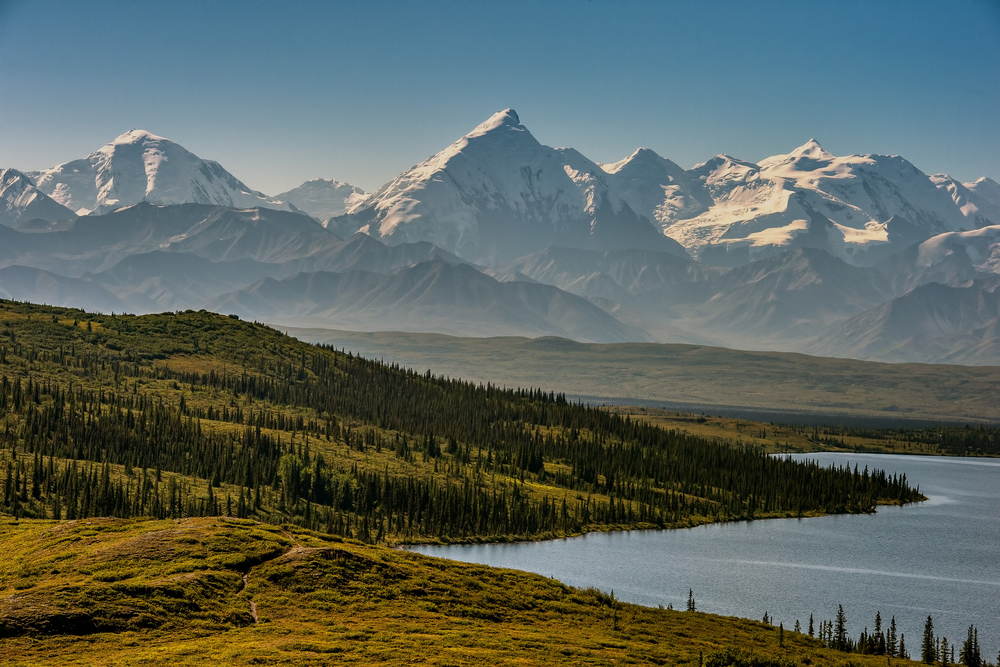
(298, 548)
(253, 605)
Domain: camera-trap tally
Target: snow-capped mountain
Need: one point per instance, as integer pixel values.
(858, 207)
(986, 188)
(139, 166)
(21, 201)
(498, 193)
(978, 248)
(498, 233)
(323, 199)
(979, 202)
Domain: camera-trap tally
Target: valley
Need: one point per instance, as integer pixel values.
(774, 386)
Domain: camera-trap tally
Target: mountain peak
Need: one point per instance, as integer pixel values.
(643, 154)
(811, 149)
(506, 118)
(640, 156)
(141, 166)
(21, 200)
(136, 136)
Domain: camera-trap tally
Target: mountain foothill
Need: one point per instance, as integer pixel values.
(860, 256)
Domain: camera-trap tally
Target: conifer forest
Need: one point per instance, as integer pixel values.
(196, 414)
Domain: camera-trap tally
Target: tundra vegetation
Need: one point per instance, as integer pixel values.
(188, 486)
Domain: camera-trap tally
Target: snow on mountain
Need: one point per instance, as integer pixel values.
(979, 247)
(21, 201)
(972, 199)
(986, 188)
(498, 193)
(857, 207)
(140, 166)
(324, 199)
(654, 186)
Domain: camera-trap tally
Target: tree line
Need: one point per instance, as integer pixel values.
(886, 639)
(105, 420)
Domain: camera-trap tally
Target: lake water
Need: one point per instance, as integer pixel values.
(940, 557)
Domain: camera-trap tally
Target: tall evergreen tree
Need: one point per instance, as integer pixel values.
(878, 639)
(970, 655)
(840, 637)
(928, 647)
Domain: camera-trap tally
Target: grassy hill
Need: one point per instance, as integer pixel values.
(694, 378)
(202, 591)
(195, 414)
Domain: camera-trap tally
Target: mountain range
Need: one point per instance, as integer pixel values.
(860, 256)
(497, 193)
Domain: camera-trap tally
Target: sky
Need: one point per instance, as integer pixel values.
(282, 92)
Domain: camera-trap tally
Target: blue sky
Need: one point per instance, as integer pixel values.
(280, 92)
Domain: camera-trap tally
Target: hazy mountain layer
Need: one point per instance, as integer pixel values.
(97, 242)
(931, 323)
(323, 199)
(21, 202)
(431, 296)
(23, 283)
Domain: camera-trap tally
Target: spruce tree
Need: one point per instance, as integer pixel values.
(811, 625)
(969, 655)
(928, 648)
(840, 637)
(879, 638)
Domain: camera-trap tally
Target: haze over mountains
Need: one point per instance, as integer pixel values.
(859, 256)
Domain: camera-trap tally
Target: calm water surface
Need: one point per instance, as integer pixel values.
(940, 557)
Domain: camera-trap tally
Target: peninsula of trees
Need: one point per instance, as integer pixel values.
(196, 414)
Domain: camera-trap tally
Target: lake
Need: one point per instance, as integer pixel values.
(940, 557)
